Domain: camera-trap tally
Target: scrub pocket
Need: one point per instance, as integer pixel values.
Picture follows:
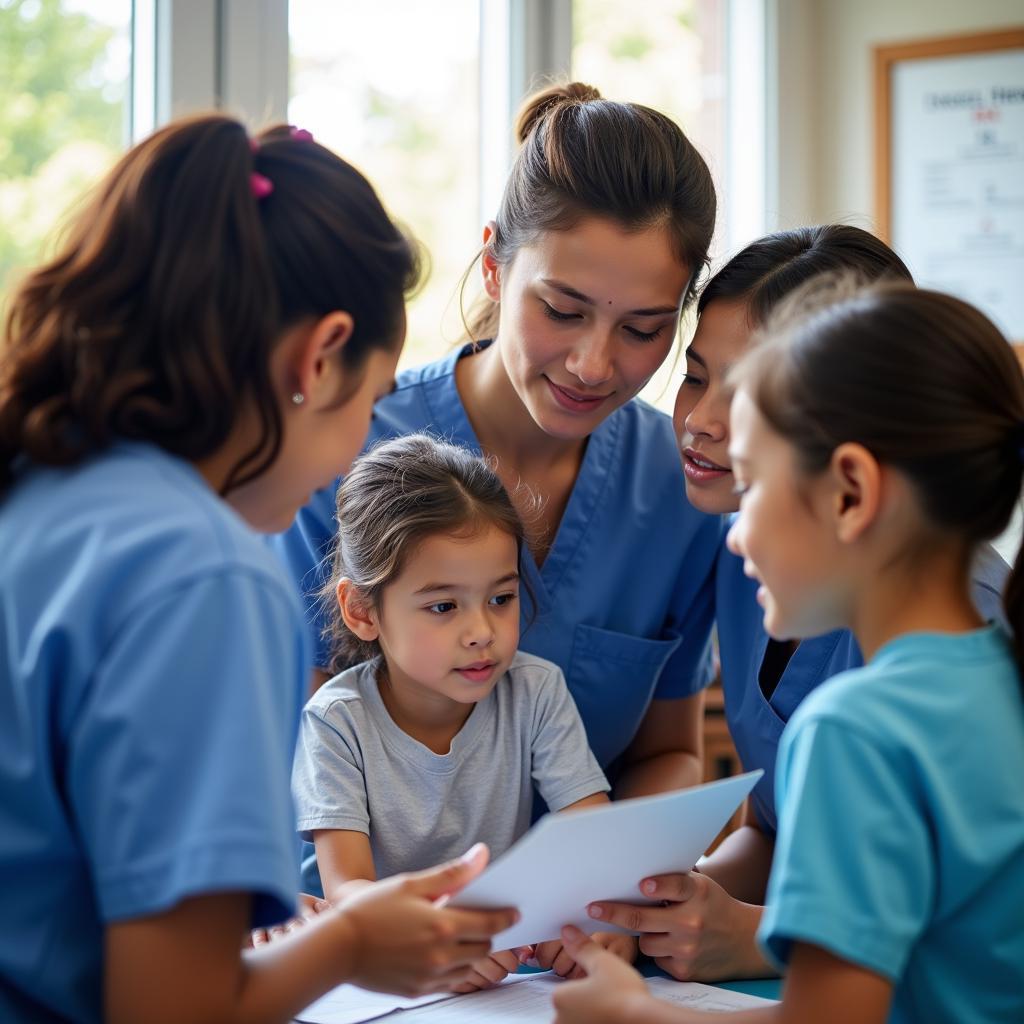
(612, 677)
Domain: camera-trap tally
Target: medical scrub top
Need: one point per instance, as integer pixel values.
(756, 721)
(152, 663)
(624, 597)
(901, 827)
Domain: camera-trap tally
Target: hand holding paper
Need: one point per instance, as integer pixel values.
(553, 872)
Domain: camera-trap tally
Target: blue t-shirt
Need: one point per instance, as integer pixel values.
(756, 721)
(624, 597)
(901, 827)
(152, 662)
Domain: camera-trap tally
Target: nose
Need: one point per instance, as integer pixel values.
(478, 633)
(591, 359)
(709, 417)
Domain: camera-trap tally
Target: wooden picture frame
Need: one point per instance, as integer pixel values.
(947, 105)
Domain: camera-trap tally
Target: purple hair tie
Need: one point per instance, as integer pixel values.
(300, 134)
(260, 185)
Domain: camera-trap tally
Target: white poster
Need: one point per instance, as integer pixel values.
(958, 178)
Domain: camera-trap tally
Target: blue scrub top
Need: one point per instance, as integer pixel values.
(624, 597)
(756, 722)
(901, 827)
(152, 663)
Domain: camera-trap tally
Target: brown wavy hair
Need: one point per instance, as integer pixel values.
(156, 318)
(924, 381)
(397, 494)
(584, 156)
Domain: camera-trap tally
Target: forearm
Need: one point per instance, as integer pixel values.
(659, 773)
(741, 864)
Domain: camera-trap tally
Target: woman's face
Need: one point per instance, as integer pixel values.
(586, 317)
(701, 415)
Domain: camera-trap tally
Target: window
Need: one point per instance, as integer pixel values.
(64, 112)
(393, 88)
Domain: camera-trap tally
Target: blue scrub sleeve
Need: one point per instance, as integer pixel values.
(853, 870)
(305, 550)
(691, 667)
(179, 766)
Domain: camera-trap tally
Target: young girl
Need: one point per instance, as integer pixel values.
(200, 355)
(441, 732)
(706, 928)
(876, 442)
(600, 238)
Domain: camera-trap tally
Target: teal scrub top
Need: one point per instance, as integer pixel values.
(901, 827)
(624, 597)
(152, 663)
(756, 721)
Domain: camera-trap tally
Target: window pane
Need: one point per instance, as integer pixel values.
(669, 55)
(392, 87)
(64, 78)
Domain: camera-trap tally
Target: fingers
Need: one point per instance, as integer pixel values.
(544, 953)
(478, 924)
(676, 888)
(563, 964)
(507, 960)
(583, 949)
(448, 878)
(631, 917)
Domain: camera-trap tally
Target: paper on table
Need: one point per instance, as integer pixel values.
(568, 860)
(349, 1004)
(531, 1001)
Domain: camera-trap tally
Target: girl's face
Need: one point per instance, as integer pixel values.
(782, 532)
(586, 317)
(448, 625)
(701, 415)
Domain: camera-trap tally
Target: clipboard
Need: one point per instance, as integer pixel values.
(570, 859)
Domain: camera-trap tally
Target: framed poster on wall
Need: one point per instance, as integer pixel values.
(949, 152)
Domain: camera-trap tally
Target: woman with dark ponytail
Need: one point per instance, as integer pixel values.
(200, 355)
(876, 443)
(596, 249)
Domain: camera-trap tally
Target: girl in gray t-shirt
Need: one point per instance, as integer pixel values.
(437, 734)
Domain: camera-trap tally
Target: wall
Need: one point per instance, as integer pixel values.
(824, 111)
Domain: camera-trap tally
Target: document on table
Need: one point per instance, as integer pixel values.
(528, 998)
(568, 860)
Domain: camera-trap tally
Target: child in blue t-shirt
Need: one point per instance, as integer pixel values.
(439, 733)
(876, 441)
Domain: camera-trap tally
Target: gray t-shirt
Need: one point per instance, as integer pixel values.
(356, 769)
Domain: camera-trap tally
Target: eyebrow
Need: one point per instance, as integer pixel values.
(692, 353)
(572, 293)
(429, 588)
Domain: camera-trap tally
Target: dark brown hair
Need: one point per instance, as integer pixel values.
(765, 271)
(397, 494)
(923, 380)
(583, 156)
(156, 319)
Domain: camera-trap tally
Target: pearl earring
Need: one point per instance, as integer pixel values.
(298, 398)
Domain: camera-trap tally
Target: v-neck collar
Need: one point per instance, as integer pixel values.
(596, 469)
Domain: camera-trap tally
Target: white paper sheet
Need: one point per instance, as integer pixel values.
(569, 860)
(348, 1004)
(531, 1002)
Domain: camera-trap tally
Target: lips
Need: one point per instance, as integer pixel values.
(478, 671)
(573, 400)
(699, 469)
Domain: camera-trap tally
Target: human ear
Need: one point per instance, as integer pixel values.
(489, 266)
(357, 615)
(316, 359)
(856, 483)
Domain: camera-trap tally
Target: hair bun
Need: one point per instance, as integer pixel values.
(540, 104)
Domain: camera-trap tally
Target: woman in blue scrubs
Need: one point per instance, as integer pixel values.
(601, 235)
(707, 929)
(202, 353)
